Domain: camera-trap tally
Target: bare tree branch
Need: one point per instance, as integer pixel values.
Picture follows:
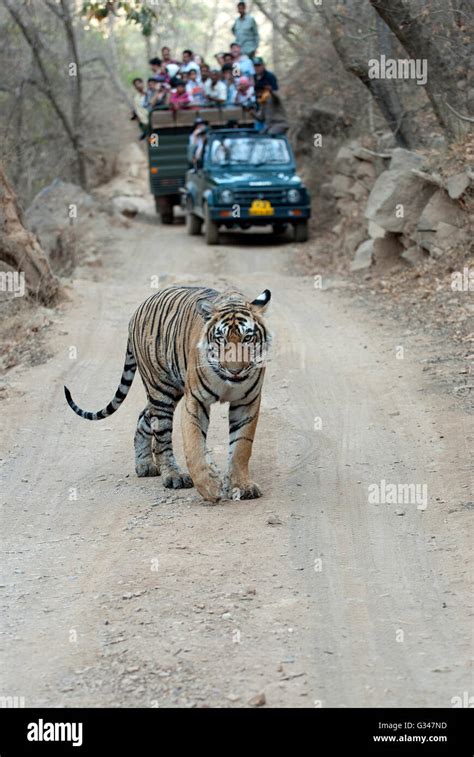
(34, 43)
(459, 115)
(277, 27)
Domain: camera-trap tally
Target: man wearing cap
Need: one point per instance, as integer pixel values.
(263, 76)
(245, 31)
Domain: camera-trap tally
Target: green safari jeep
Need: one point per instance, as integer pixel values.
(245, 179)
(168, 143)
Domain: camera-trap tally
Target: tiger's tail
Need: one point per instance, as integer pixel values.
(128, 374)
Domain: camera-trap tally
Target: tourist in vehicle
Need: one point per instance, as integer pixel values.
(196, 137)
(263, 76)
(229, 81)
(149, 92)
(189, 64)
(155, 65)
(245, 31)
(194, 89)
(215, 89)
(179, 98)
(157, 94)
(271, 112)
(172, 70)
(166, 56)
(205, 72)
(243, 66)
(200, 147)
(159, 72)
(245, 92)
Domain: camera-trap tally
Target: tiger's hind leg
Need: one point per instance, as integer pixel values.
(161, 418)
(144, 462)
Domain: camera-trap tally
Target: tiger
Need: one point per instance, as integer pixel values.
(204, 346)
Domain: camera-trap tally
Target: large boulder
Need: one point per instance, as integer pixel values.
(440, 208)
(376, 231)
(56, 214)
(405, 160)
(414, 255)
(397, 199)
(344, 161)
(442, 225)
(364, 256)
(131, 161)
(341, 185)
(130, 206)
(457, 185)
(353, 239)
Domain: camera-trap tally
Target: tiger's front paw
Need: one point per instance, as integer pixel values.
(245, 490)
(146, 469)
(177, 480)
(210, 488)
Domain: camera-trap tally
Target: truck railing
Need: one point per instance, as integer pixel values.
(220, 115)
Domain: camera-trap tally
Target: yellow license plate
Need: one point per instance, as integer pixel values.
(261, 208)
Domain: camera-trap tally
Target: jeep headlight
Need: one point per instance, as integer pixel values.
(294, 195)
(226, 196)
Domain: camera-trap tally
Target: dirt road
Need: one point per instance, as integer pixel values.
(119, 593)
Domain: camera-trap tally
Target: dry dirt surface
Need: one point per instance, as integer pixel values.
(117, 592)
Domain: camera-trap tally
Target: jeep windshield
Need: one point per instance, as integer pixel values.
(249, 151)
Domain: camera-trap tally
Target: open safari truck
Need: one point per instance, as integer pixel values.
(168, 141)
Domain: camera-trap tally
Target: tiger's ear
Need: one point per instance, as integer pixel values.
(205, 308)
(261, 303)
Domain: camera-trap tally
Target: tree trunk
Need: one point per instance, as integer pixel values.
(32, 37)
(380, 89)
(76, 92)
(20, 249)
(420, 42)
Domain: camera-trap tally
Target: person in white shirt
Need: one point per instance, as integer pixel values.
(194, 89)
(215, 89)
(242, 64)
(189, 64)
(245, 92)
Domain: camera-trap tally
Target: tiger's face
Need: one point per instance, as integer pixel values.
(235, 339)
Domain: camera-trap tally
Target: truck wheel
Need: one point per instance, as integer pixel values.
(164, 207)
(193, 223)
(212, 229)
(301, 231)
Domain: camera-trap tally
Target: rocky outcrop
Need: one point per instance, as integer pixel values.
(55, 215)
(127, 193)
(393, 211)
